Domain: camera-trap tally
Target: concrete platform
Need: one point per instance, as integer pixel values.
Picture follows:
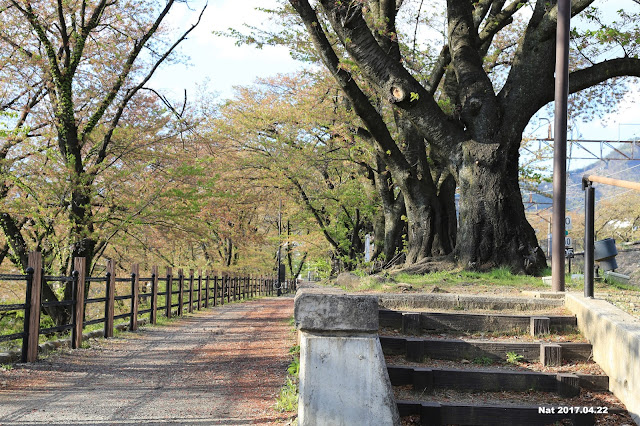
(615, 336)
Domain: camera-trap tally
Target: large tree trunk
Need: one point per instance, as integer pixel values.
(493, 228)
(428, 232)
(393, 228)
(388, 225)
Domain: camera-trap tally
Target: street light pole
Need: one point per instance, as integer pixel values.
(280, 277)
(560, 145)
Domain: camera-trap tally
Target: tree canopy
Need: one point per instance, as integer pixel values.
(407, 125)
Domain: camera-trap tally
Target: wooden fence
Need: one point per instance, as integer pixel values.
(163, 294)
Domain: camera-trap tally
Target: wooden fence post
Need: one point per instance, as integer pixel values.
(199, 289)
(109, 304)
(180, 295)
(80, 274)
(153, 316)
(235, 288)
(215, 290)
(206, 290)
(32, 308)
(135, 292)
(169, 291)
(227, 284)
(190, 290)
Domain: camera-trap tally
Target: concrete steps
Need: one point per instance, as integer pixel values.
(417, 349)
(496, 395)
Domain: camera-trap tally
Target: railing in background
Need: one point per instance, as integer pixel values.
(589, 219)
(165, 294)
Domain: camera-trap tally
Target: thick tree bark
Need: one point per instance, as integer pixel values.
(493, 229)
(391, 227)
(408, 166)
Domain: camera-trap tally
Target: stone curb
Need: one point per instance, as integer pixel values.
(456, 301)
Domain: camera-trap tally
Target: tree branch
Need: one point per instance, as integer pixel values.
(133, 55)
(479, 104)
(315, 212)
(602, 71)
(131, 92)
(392, 79)
(372, 119)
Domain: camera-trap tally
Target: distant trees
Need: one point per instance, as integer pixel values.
(293, 133)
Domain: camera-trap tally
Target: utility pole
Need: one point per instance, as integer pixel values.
(560, 145)
(280, 274)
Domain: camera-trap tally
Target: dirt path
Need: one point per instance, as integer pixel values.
(224, 366)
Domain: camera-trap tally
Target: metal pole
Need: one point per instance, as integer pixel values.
(589, 216)
(560, 145)
(279, 293)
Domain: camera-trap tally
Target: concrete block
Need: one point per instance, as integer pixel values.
(411, 323)
(551, 354)
(615, 336)
(539, 326)
(344, 382)
(423, 380)
(320, 310)
(568, 385)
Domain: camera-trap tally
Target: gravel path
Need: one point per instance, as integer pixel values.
(224, 366)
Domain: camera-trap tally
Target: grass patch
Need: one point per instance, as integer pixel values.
(483, 360)
(287, 401)
(462, 281)
(499, 277)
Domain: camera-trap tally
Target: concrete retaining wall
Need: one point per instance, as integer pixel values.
(457, 301)
(615, 336)
(343, 376)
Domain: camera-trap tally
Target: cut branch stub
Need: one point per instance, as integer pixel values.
(397, 94)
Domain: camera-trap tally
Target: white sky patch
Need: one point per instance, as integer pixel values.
(626, 119)
(218, 60)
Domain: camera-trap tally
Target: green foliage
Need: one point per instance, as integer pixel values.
(514, 358)
(483, 360)
(294, 367)
(287, 400)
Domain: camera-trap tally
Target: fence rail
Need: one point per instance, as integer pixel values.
(176, 291)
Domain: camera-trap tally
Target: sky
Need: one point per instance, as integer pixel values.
(217, 61)
(217, 64)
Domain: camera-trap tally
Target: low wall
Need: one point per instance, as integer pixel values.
(615, 336)
(343, 376)
(462, 301)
